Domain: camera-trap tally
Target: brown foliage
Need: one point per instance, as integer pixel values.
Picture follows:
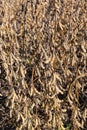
(43, 58)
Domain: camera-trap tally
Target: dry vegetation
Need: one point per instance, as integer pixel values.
(43, 62)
